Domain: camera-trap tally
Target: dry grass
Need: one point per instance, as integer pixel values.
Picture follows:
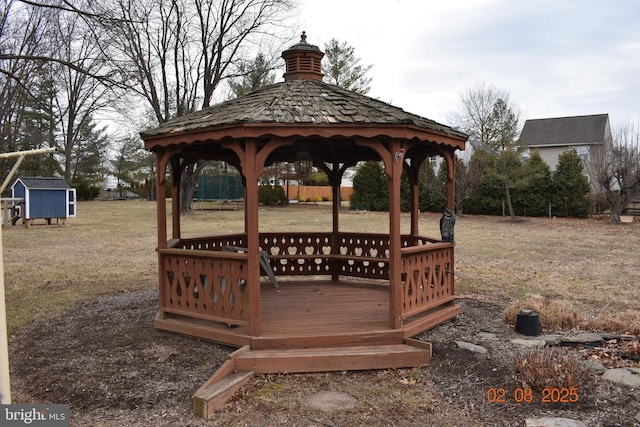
(563, 315)
(109, 249)
(551, 368)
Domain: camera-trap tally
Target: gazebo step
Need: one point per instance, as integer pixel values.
(347, 358)
(213, 395)
(244, 363)
(319, 340)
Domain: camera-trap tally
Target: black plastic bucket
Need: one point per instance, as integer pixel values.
(528, 323)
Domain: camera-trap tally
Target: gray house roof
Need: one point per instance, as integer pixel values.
(41, 183)
(565, 131)
(300, 102)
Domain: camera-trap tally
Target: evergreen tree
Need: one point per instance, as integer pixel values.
(430, 188)
(37, 126)
(370, 188)
(254, 75)
(505, 172)
(468, 178)
(571, 186)
(485, 199)
(89, 157)
(342, 68)
(537, 187)
(129, 167)
(405, 192)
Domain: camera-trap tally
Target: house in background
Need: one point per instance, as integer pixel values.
(554, 136)
(42, 198)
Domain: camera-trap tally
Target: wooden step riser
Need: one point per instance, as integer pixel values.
(323, 341)
(325, 361)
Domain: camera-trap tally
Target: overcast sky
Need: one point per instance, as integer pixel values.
(556, 58)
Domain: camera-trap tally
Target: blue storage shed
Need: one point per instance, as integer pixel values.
(45, 198)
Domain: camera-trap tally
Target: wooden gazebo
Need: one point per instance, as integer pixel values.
(351, 300)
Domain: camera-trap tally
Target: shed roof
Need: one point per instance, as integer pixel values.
(563, 131)
(43, 183)
(306, 103)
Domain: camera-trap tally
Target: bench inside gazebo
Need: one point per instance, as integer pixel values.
(335, 300)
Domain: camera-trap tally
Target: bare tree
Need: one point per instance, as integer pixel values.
(488, 116)
(78, 96)
(50, 73)
(21, 35)
(13, 15)
(174, 54)
(614, 168)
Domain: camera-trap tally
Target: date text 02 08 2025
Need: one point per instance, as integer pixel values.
(526, 395)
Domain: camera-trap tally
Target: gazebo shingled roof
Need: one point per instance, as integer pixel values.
(301, 102)
(203, 288)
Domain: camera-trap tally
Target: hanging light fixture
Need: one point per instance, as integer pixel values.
(303, 161)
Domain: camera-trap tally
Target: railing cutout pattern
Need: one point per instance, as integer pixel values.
(213, 287)
(427, 279)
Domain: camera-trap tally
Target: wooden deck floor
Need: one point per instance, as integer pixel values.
(310, 313)
(311, 307)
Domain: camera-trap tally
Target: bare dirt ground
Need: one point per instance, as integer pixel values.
(106, 360)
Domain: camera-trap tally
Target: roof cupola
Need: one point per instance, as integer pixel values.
(303, 61)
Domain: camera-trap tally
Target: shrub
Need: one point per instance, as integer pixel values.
(271, 195)
(551, 368)
(370, 188)
(85, 191)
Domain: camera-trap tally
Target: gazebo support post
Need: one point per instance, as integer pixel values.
(175, 196)
(335, 246)
(413, 172)
(161, 209)
(335, 173)
(162, 160)
(449, 157)
(393, 164)
(251, 173)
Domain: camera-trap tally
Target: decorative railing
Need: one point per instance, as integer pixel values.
(297, 254)
(427, 277)
(201, 279)
(363, 255)
(205, 284)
